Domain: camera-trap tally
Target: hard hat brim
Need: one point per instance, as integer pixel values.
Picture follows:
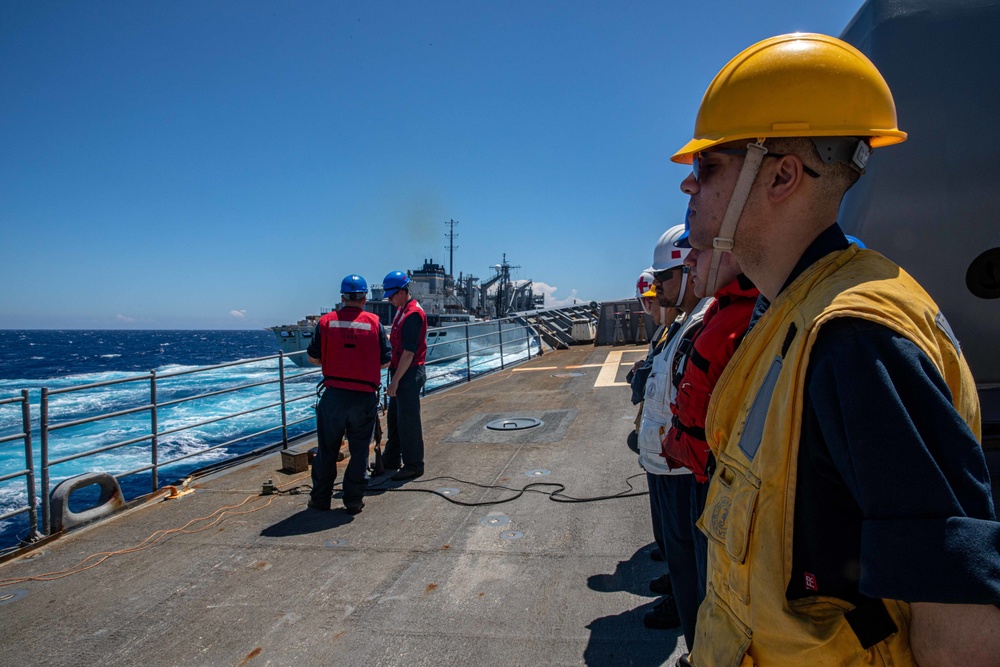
(687, 152)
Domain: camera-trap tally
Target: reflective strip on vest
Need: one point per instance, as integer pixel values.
(339, 324)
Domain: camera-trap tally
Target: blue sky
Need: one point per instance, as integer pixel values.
(224, 164)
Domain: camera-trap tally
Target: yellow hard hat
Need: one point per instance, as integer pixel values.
(796, 85)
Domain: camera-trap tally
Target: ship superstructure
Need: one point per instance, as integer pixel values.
(447, 301)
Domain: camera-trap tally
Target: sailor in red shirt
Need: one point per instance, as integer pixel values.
(351, 346)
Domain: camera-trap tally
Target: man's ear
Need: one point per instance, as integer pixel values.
(785, 178)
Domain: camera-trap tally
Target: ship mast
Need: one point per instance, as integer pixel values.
(451, 246)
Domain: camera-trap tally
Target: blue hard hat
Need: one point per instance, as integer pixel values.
(395, 281)
(353, 284)
(855, 240)
(682, 241)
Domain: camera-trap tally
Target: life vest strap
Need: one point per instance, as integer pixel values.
(373, 385)
(871, 622)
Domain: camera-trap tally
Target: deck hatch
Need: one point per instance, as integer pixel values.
(552, 427)
(514, 423)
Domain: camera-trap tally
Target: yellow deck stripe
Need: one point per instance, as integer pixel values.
(609, 370)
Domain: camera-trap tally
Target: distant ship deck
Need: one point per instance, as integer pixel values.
(412, 580)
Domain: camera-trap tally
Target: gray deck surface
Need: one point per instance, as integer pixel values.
(412, 580)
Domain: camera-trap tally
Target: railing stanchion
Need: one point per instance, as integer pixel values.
(154, 426)
(500, 338)
(468, 356)
(284, 412)
(43, 430)
(29, 464)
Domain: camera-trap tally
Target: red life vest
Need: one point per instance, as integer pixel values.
(725, 323)
(351, 353)
(396, 335)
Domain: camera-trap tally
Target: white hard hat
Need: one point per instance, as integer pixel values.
(666, 255)
(644, 285)
(644, 291)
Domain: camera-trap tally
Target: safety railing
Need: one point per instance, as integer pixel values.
(159, 407)
(483, 346)
(154, 408)
(28, 471)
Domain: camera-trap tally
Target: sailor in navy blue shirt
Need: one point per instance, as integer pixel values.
(888, 472)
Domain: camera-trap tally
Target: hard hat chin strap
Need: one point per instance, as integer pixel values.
(685, 273)
(724, 241)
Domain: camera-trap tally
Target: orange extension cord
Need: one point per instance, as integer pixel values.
(216, 517)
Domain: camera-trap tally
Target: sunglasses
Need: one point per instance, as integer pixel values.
(663, 276)
(700, 170)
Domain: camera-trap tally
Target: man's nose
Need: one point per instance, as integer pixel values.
(689, 185)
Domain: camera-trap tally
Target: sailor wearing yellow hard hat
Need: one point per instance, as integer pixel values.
(849, 518)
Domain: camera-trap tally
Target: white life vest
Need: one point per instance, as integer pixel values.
(660, 392)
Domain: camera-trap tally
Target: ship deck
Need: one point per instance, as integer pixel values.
(412, 580)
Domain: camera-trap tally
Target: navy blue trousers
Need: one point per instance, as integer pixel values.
(683, 544)
(657, 499)
(404, 443)
(343, 412)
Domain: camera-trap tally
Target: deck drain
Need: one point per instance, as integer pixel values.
(511, 535)
(12, 596)
(569, 374)
(514, 424)
(495, 520)
(447, 491)
(538, 472)
(331, 544)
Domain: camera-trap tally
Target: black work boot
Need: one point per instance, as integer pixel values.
(322, 506)
(662, 585)
(664, 615)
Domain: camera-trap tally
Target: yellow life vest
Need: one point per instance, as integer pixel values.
(754, 424)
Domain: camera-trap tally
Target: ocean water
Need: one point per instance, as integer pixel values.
(65, 359)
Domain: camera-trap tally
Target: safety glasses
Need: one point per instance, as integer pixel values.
(663, 276)
(701, 170)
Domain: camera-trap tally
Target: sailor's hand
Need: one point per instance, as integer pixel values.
(391, 389)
